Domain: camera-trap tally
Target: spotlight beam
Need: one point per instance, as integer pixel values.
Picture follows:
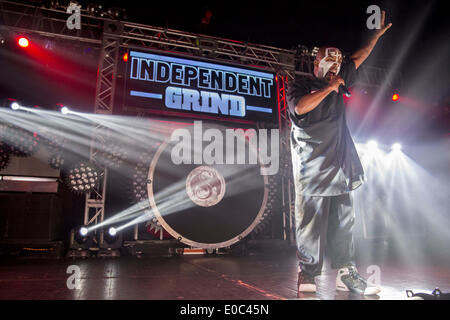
(128, 213)
(78, 136)
(404, 50)
(140, 130)
(140, 219)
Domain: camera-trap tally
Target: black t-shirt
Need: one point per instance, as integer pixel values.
(324, 157)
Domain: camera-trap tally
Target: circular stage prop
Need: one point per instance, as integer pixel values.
(206, 205)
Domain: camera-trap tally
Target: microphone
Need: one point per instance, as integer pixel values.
(344, 90)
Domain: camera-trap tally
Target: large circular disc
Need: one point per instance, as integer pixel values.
(205, 205)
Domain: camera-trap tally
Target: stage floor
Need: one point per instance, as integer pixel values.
(200, 277)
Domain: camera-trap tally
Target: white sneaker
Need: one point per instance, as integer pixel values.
(348, 279)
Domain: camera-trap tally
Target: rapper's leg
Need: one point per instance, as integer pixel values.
(341, 220)
(311, 214)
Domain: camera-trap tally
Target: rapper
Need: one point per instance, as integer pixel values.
(326, 168)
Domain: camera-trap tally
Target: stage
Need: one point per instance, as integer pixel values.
(141, 162)
(263, 274)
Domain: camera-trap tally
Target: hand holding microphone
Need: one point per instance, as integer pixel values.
(338, 84)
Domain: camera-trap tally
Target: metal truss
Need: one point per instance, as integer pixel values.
(109, 56)
(110, 36)
(51, 23)
(287, 190)
(20, 17)
(142, 36)
(104, 104)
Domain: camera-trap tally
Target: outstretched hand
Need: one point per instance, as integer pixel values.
(383, 27)
(361, 55)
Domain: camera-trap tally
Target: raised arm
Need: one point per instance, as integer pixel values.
(361, 55)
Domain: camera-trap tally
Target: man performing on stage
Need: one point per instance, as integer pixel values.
(326, 168)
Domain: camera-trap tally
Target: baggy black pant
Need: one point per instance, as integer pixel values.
(324, 222)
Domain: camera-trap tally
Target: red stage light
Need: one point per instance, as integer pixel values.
(125, 57)
(395, 97)
(23, 42)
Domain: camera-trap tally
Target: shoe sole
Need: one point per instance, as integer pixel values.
(369, 291)
(310, 288)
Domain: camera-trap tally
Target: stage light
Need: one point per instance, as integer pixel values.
(395, 97)
(111, 244)
(15, 106)
(80, 242)
(112, 231)
(23, 42)
(56, 161)
(140, 180)
(113, 13)
(83, 231)
(65, 110)
(113, 240)
(396, 146)
(81, 235)
(116, 13)
(83, 177)
(94, 10)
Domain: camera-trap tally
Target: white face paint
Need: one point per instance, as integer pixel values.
(332, 56)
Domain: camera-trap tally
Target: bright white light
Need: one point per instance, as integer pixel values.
(15, 106)
(65, 110)
(396, 147)
(83, 231)
(372, 145)
(112, 231)
(23, 42)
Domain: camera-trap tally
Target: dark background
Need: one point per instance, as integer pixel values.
(416, 44)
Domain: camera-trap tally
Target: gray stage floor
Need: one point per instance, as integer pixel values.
(256, 276)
